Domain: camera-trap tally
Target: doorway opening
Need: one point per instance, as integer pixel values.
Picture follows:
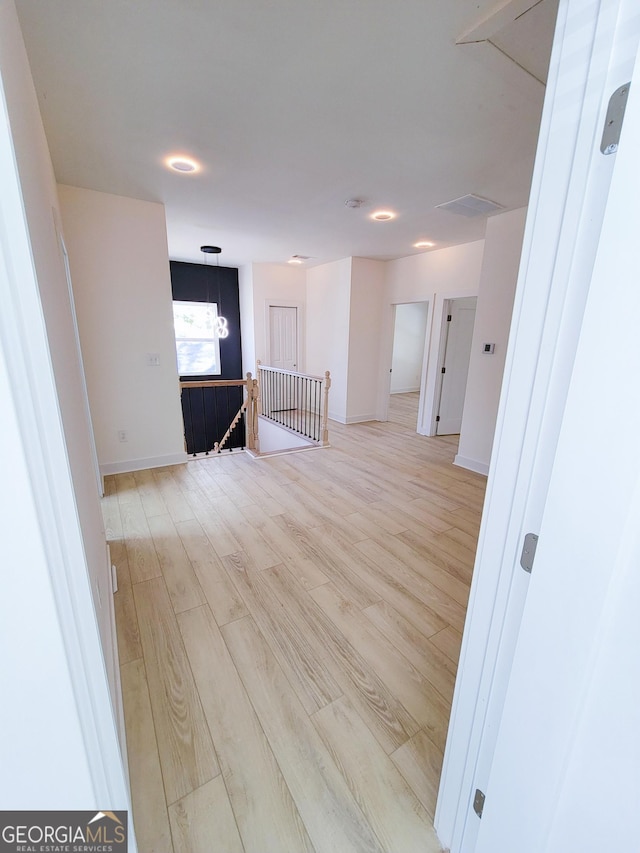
(408, 363)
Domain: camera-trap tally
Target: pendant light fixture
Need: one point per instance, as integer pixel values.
(222, 329)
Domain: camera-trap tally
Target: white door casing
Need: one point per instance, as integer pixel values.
(566, 768)
(59, 664)
(83, 380)
(454, 364)
(593, 54)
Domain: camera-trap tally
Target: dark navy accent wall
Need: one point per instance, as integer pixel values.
(207, 412)
(202, 283)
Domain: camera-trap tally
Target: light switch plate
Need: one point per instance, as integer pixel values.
(153, 359)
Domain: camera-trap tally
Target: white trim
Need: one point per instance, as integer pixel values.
(471, 464)
(594, 44)
(270, 453)
(569, 723)
(83, 379)
(434, 354)
(411, 390)
(115, 658)
(129, 465)
(24, 341)
(353, 419)
(387, 334)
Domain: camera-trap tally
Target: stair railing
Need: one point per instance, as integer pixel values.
(210, 418)
(297, 401)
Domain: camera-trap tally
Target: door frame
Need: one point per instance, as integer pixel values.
(573, 689)
(429, 400)
(384, 407)
(83, 378)
(300, 349)
(593, 53)
(50, 503)
(444, 344)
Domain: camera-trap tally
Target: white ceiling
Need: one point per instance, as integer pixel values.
(292, 107)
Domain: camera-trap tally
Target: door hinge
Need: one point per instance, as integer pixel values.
(613, 120)
(478, 802)
(448, 318)
(437, 418)
(444, 370)
(528, 551)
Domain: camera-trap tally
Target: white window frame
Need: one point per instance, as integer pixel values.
(198, 339)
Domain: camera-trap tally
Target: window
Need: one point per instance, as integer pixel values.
(197, 329)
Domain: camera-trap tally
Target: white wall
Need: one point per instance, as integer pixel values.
(503, 246)
(279, 284)
(409, 336)
(365, 316)
(418, 278)
(327, 338)
(274, 438)
(431, 277)
(51, 529)
(120, 270)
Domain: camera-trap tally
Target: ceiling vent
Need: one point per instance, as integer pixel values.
(471, 205)
(302, 257)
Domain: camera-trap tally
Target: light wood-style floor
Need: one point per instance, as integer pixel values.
(288, 631)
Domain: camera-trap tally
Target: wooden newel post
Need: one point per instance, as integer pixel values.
(256, 400)
(325, 412)
(259, 397)
(253, 442)
(251, 437)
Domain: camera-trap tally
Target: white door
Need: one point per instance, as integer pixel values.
(566, 767)
(593, 54)
(455, 364)
(283, 337)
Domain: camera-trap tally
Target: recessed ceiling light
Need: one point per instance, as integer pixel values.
(182, 164)
(294, 260)
(423, 244)
(383, 215)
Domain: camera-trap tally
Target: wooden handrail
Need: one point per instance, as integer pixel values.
(249, 403)
(212, 383)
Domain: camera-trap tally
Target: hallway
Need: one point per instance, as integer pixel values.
(288, 631)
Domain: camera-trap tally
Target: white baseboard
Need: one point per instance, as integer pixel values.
(406, 390)
(361, 419)
(142, 464)
(471, 464)
(354, 419)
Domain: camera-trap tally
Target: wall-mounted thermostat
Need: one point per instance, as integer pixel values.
(488, 348)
